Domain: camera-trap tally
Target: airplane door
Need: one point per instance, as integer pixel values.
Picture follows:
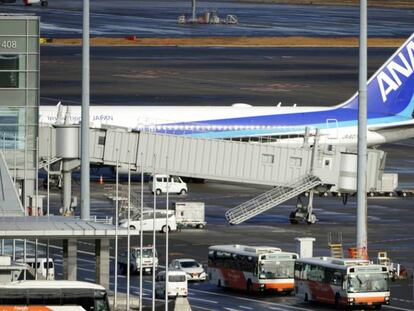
(333, 130)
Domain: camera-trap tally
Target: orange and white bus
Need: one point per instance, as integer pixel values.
(251, 268)
(342, 282)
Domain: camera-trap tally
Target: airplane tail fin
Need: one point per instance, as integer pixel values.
(390, 91)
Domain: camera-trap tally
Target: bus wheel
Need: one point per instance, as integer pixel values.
(249, 287)
(378, 307)
(337, 299)
(158, 191)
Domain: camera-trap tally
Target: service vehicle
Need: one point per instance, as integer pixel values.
(175, 184)
(41, 265)
(148, 221)
(251, 268)
(89, 296)
(342, 282)
(135, 266)
(193, 269)
(30, 2)
(190, 214)
(177, 284)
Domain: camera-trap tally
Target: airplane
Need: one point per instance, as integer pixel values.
(390, 113)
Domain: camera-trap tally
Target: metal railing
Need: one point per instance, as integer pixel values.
(271, 199)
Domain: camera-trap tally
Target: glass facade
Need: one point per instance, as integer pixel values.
(19, 89)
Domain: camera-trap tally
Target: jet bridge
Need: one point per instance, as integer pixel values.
(291, 169)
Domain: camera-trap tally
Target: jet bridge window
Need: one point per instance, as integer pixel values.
(101, 140)
(9, 71)
(295, 161)
(268, 158)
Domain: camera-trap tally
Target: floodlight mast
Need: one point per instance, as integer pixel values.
(362, 240)
(85, 165)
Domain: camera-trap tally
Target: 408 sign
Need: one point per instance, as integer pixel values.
(8, 44)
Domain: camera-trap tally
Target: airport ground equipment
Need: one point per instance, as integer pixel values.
(208, 17)
(290, 169)
(147, 260)
(336, 247)
(190, 214)
(271, 199)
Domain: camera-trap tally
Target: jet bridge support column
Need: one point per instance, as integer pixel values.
(102, 262)
(67, 188)
(70, 249)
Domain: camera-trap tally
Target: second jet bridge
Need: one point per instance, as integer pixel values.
(292, 169)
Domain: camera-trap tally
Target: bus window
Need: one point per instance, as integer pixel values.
(368, 282)
(337, 279)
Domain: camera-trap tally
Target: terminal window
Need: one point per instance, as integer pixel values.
(9, 71)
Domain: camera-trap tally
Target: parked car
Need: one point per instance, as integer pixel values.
(177, 284)
(148, 221)
(175, 184)
(193, 269)
(147, 260)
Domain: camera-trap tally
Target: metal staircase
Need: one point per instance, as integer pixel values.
(271, 199)
(336, 248)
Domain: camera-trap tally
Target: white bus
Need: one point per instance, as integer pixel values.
(251, 268)
(91, 297)
(342, 282)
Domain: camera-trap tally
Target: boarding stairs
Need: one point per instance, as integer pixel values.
(336, 248)
(48, 162)
(271, 198)
(122, 198)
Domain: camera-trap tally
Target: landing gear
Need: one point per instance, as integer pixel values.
(304, 212)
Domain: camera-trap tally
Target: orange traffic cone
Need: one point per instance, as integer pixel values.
(101, 182)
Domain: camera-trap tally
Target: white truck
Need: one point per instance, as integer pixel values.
(190, 214)
(147, 260)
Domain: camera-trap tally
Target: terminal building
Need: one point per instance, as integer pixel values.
(19, 102)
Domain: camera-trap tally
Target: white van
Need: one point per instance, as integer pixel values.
(41, 267)
(148, 221)
(175, 184)
(177, 284)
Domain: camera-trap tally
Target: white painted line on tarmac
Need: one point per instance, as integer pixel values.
(246, 308)
(231, 309)
(397, 308)
(253, 300)
(202, 308)
(205, 300)
(275, 308)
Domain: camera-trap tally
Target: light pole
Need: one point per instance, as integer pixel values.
(362, 136)
(85, 187)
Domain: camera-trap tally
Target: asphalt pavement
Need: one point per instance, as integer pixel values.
(159, 19)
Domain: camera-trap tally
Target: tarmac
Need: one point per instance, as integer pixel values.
(209, 76)
(158, 18)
